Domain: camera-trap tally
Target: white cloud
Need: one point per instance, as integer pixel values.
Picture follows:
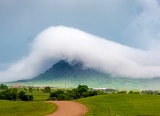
(56, 43)
(144, 30)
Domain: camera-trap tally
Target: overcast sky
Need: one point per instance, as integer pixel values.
(133, 23)
(22, 20)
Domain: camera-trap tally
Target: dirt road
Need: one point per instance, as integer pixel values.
(68, 108)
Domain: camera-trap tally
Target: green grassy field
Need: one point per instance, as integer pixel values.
(20, 108)
(122, 105)
(37, 107)
(39, 95)
(101, 105)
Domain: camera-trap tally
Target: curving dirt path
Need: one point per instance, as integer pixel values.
(68, 108)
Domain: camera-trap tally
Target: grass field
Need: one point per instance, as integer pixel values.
(37, 107)
(101, 105)
(39, 95)
(20, 108)
(122, 105)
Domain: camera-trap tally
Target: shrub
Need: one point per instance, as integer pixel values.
(3, 87)
(122, 92)
(30, 89)
(134, 92)
(85, 94)
(80, 91)
(93, 93)
(47, 89)
(24, 97)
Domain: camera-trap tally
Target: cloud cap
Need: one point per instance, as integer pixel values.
(58, 43)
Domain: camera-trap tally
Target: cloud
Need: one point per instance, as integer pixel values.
(57, 43)
(144, 29)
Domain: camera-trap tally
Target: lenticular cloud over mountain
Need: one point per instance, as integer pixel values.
(64, 43)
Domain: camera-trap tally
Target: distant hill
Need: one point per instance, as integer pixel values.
(64, 74)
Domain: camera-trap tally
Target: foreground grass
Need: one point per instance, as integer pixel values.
(122, 105)
(101, 105)
(20, 108)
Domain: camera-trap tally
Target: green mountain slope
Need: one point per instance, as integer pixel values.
(64, 74)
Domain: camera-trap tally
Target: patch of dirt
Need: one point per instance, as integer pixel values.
(68, 108)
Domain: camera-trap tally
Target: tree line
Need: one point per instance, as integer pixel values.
(3, 87)
(13, 94)
(80, 92)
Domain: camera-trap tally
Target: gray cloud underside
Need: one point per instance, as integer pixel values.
(56, 43)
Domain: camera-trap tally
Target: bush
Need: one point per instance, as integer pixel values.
(82, 88)
(30, 89)
(134, 92)
(3, 87)
(30, 97)
(13, 94)
(122, 92)
(47, 89)
(93, 93)
(24, 97)
(80, 91)
(9, 94)
(85, 94)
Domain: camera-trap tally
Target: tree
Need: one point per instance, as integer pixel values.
(93, 93)
(3, 87)
(14, 90)
(30, 89)
(30, 97)
(47, 89)
(24, 97)
(9, 94)
(76, 93)
(82, 88)
(13, 94)
(85, 94)
(25, 89)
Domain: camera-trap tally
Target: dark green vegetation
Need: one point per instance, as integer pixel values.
(22, 96)
(14, 94)
(47, 89)
(122, 105)
(79, 92)
(3, 87)
(65, 75)
(21, 108)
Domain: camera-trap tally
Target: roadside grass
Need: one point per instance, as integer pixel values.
(20, 108)
(122, 105)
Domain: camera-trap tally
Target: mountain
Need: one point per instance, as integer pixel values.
(65, 74)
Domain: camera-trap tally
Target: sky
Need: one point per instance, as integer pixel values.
(132, 24)
(21, 21)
